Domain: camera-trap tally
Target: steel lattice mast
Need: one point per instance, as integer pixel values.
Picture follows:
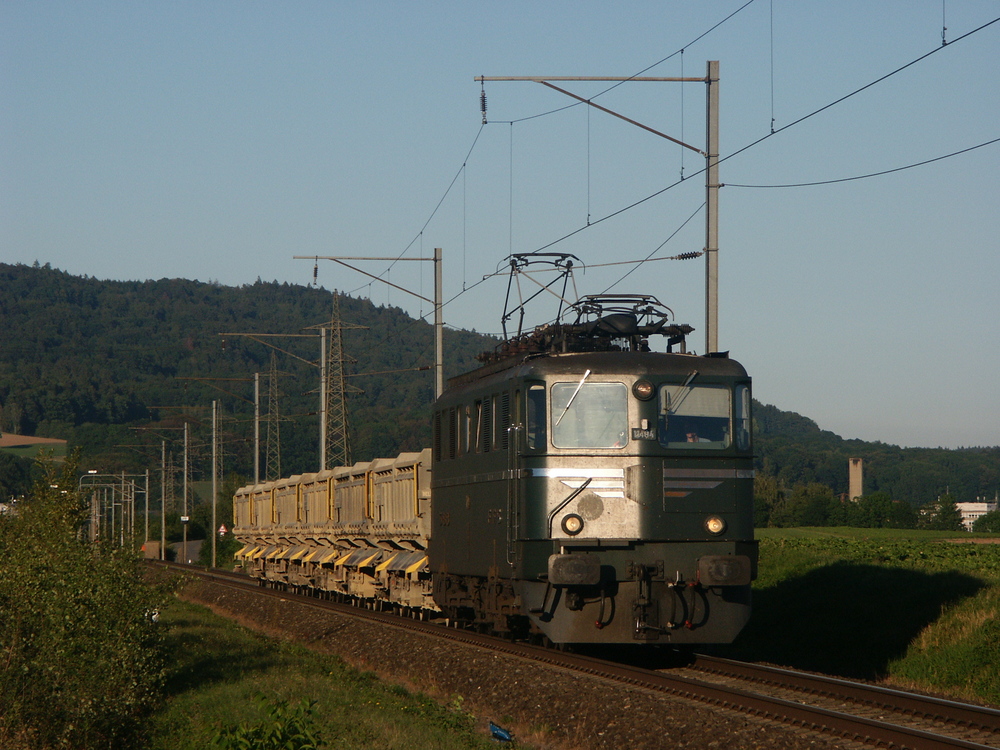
(338, 444)
(272, 460)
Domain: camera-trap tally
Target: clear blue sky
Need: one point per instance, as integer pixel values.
(216, 140)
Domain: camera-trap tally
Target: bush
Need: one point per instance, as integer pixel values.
(82, 666)
(287, 727)
(989, 522)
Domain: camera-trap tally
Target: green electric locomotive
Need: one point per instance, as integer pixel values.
(590, 490)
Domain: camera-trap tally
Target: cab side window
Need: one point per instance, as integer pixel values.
(536, 417)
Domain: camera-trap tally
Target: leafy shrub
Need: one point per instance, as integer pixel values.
(288, 727)
(989, 522)
(81, 665)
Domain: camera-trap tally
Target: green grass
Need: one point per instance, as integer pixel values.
(58, 450)
(220, 667)
(844, 532)
(909, 607)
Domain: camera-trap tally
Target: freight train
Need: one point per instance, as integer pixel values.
(580, 488)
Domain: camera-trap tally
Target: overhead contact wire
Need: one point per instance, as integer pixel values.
(857, 91)
(636, 75)
(870, 174)
(658, 248)
(765, 137)
(419, 234)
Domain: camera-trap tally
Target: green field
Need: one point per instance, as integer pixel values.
(914, 608)
(56, 450)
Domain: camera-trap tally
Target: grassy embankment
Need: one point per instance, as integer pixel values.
(913, 608)
(220, 668)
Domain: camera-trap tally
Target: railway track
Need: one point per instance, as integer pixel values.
(934, 715)
(855, 713)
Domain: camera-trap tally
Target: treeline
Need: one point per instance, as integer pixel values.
(117, 368)
(794, 452)
(815, 504)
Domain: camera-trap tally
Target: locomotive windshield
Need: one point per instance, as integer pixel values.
(695, 416)
(589, 415)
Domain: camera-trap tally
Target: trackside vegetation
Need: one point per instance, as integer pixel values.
(285, 727)
(84, 665)
(95, 654)
(229, 688)
(80, 661)
(911, 608)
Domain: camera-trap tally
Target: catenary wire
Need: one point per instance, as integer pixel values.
(683, 256)
(419, 234)
(763, 138)
(845, 97)
(870, 174)
(511, 122)
(679, 51)
(721, 159)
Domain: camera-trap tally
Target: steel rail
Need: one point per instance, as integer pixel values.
(932, 707)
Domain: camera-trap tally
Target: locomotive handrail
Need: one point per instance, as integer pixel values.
(513, 490)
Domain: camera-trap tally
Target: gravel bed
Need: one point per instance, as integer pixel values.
(545, 706)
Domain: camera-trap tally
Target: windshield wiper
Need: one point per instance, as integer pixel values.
(677, 394)
(571, 398)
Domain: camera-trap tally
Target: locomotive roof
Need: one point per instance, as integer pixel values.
(538, 365)
(610, 334)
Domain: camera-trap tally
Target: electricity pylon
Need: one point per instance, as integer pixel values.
(337, 442)
(272, 460)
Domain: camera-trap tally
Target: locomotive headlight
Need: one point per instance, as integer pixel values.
(643, 390)
(714, 525)
(572, 524)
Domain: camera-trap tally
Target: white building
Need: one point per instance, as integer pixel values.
(971, 511)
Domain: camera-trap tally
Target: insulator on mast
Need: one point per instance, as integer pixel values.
(482, 103)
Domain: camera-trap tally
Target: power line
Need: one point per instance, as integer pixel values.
(461, 170)
(857, 91)
(870, 174)
(763, 138)
(682, 256)
(676, 52)
(447, 191)
(750, 145)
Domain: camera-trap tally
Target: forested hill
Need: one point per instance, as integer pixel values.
(78, 355)
(796, 451)
(109, 365)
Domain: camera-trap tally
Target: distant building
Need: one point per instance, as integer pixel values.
(971, 511)
(855, 475)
